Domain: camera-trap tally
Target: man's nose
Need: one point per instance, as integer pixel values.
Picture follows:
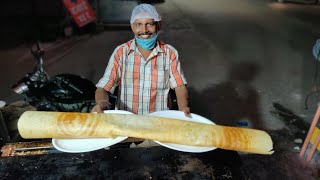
(144, 29)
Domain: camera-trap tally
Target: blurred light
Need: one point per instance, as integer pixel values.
(278, 6)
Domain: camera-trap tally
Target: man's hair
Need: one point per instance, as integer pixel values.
(144, 11)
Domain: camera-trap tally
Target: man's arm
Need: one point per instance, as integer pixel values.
(107, 82)
(182, 98)
(102, 101)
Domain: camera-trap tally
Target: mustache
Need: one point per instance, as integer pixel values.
(146, 33)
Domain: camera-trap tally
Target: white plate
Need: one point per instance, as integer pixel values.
(180, 115)
(88, 144)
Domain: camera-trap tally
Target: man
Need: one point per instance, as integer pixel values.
(144, 69)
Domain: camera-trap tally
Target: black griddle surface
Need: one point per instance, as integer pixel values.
(136, 163)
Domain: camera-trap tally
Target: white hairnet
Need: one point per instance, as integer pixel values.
(144, 11)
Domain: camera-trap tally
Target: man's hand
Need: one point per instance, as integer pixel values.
(102, 99)
(97, 108)
(186, 111)
(100, 106)
(182, 99)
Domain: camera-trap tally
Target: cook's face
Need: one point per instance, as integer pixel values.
(144, 28)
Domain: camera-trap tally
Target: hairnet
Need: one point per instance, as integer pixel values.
(144, 11)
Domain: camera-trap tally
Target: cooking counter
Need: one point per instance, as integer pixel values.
(155, 162)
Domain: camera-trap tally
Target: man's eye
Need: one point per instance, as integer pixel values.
(138, 25)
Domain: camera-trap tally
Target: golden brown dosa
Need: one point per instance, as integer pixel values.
(37, 124)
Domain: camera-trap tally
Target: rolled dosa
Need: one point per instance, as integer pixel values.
(40, 124)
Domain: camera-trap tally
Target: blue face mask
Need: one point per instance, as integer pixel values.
(147, 44)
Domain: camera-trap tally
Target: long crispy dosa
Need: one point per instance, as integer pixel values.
(37, 124)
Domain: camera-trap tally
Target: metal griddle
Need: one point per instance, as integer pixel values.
(125, 163)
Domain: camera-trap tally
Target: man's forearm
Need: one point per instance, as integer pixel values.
(102, 98)
(182, 96)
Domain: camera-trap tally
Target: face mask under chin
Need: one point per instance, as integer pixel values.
(147, 44)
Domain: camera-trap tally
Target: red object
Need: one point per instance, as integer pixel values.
(81, 11)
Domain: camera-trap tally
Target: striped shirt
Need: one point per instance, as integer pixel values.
(144, 84)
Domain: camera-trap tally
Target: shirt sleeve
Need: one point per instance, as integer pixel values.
(111, 74)
(176, 73)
